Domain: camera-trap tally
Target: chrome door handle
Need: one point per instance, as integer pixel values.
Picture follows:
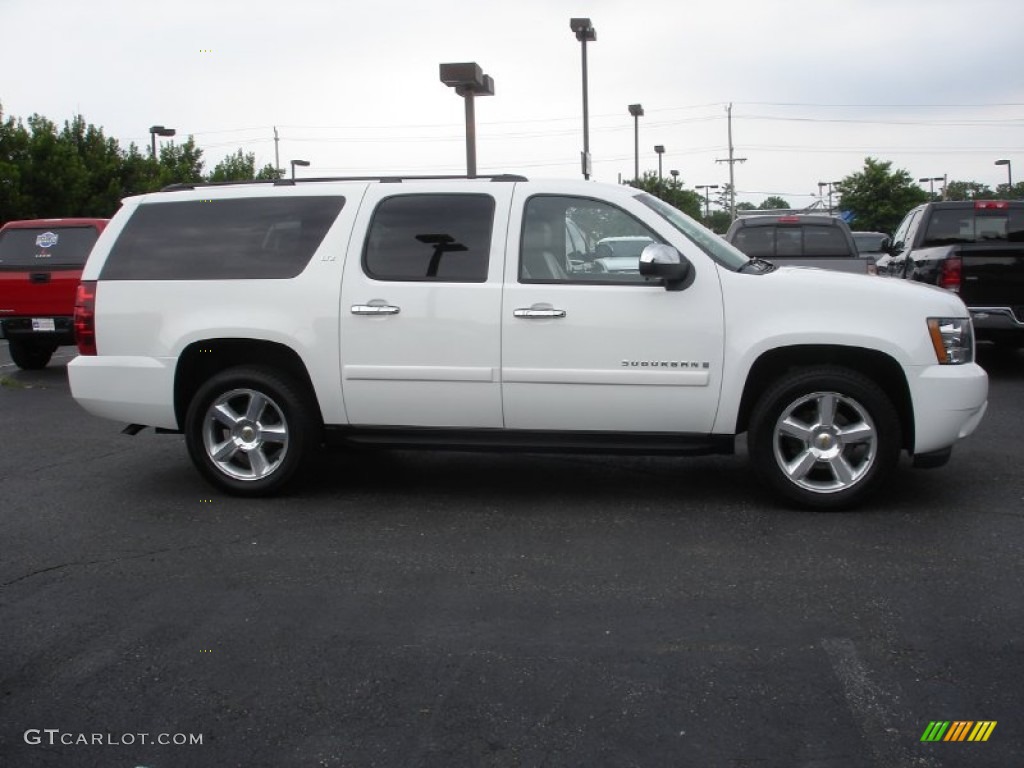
(374, 309)
(538, 313)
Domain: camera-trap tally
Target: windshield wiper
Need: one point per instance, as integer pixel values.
(758, 266)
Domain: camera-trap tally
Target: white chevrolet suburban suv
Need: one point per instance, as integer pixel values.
(264, 320)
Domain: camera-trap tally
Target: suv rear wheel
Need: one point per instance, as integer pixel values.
(31, 356)
(825, 438)
(248, 430)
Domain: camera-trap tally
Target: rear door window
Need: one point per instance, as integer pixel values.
(42, 248)
(443, 238)
(222, 239)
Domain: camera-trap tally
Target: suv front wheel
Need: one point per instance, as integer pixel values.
(248, 430)
(825, 438)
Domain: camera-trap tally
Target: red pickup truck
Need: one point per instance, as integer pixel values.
(41, 263)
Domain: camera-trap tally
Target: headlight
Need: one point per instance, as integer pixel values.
(953, 339)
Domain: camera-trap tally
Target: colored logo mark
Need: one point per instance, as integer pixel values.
(46, 240)
(958, 730)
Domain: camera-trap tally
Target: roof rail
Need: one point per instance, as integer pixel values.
(293, 182)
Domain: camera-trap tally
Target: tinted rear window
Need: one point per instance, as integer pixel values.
(809, 240)
(46, 247)
(966, 225)
(239, 238)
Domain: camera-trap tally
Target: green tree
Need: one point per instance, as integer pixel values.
(718, 221)
(240, 166)
(968, 190)
(879, 197)
(180, 163)
(100, 192)
(672, 192)
(1006, 192)
(774, 202)
(14, 141)
(269, 172)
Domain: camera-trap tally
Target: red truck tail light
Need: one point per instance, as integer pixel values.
(949, 276)
(85, 317)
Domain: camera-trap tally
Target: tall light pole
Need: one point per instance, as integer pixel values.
(707, 197)
(301, 163)
(1009, 172)
(660, 149)
(469, 81)
(931, 184)
(159, 130)
(585, 33)
(829, 185)
(637, 111)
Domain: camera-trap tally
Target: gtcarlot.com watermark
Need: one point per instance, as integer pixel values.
(52, 737)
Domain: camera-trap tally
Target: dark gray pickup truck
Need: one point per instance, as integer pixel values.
(801, 241)
(974, 248)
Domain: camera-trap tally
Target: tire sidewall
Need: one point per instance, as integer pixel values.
(848, 384)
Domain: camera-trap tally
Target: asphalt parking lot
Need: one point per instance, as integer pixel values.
(417, 609)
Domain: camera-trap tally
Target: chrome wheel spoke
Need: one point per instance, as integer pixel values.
(274, 433)
(841, 470)
(258, 462)
(857, 433)
(257, 402)
(796, 429)
(801, 465)
(224, 452)
(826, 410)
(222, 412)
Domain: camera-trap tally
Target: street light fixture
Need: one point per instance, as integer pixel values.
(829, 185)
(707, 197)
(1009, 172)
(660, 149)
(637, 111)
(158, 130)
(303, 163)
(585, 33)
(469, 81)
(931, 183)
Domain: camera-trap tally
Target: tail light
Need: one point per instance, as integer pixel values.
(949, 276)
(85, 317)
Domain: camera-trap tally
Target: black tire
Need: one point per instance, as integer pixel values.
(31, 356)
(272, 430)
(819, 461)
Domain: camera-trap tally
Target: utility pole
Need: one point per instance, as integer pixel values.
(732, 162)
(277, 154)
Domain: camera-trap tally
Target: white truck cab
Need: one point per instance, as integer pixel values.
(263, 319)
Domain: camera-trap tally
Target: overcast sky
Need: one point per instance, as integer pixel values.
(936, 86)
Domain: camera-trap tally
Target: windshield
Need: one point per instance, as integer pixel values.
(46, 247)
(713, 245)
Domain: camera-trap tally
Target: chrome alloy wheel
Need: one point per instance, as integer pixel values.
(825, 442)
(245, 434)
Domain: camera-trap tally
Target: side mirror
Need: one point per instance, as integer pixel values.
(664, 261)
